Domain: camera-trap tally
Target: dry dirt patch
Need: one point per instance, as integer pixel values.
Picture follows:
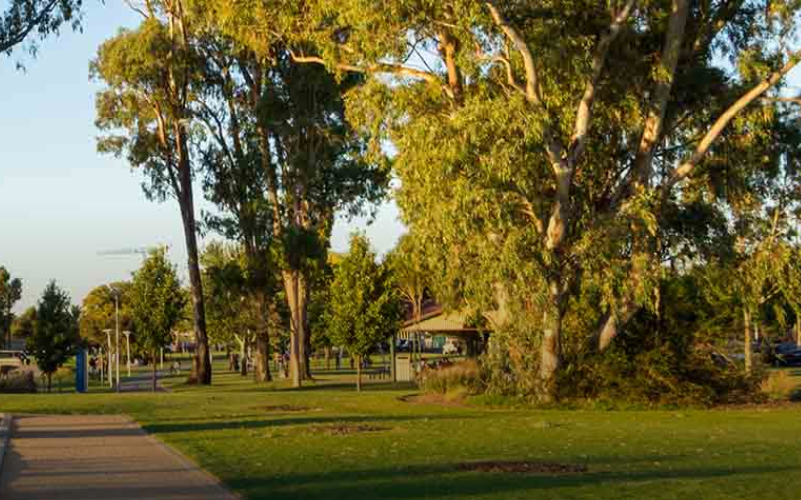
(345, 429)
(524, 467)
(285, 409)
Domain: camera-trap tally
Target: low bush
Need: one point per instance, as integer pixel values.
(457, 379)
(18, 383)
(782, 386)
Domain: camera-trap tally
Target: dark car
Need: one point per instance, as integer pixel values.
(787, 354)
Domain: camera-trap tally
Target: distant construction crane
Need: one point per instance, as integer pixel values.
(143, 251)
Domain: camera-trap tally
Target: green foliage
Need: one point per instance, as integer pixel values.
(25, 324)
(98, 312)
(676, 355)
(156, 301)
(455, 380)
(56, 333)
(363, 307)
(10, 294)
(18, 383)
(28, 20)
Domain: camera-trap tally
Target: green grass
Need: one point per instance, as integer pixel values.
(263, 454)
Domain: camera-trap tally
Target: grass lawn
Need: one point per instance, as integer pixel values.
(256, 441)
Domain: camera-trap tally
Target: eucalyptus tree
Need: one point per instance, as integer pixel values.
(541, 146)
(411, 271)
(145, 114)
(29, 20)
(234, 178)
(316, 164)
(10, 294)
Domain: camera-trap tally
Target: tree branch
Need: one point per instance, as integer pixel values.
(720, 124)
(584, 113)
(389, 68)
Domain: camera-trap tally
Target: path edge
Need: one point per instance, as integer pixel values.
(185, 461)
(5, 434)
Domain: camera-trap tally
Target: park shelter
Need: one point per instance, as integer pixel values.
(435, 321)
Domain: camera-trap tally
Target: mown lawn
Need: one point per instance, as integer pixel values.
(274, 443)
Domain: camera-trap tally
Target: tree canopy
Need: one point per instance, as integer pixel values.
(55, 333)
(364, 307)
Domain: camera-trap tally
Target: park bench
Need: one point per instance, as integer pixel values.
(380, 373)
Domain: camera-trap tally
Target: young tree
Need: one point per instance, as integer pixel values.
(364, 307)
(157, 304)
(145, 112)
(26, 19)
(10, 294)
(55, 333)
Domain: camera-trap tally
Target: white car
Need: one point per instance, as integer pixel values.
(450, 348)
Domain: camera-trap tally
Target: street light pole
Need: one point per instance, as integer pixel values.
(109, 358)
(117, 337)
(116, 293)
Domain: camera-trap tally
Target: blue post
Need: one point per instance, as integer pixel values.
(81, 372)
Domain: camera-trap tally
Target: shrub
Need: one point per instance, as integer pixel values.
(781, 386)
(18, 383)
(463, 378)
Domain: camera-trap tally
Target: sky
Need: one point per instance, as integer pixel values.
(61, 203)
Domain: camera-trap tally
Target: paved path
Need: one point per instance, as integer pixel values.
(97, 458)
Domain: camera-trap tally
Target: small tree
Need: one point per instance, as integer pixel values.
(157, 304)
(24, 324)
(364, 307)
(55, 331)
(10, 293)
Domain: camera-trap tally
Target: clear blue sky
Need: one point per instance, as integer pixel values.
(60, 201)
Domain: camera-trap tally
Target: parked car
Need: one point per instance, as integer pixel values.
(451, 348)
(787, 354)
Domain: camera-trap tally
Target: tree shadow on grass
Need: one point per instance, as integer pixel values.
(222, 425)
(441, 481)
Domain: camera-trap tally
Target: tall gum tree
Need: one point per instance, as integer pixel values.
(145, 113)
(551, 136)
(317, 165)
(234, 177)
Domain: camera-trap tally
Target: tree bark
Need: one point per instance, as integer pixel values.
(262, 364)
(747, 339)
(155, 373)
(327, 351)
(610, 326)
(295, 286)
(798, 332)
(551, 349)
(358, 373)
(392, 359)
(201, 365)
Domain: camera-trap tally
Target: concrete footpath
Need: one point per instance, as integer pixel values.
(97, 458)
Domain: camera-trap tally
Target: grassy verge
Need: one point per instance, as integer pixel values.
(327, 442)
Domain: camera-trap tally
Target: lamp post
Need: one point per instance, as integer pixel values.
(128, 350)
(116, 293)
(109, 358)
